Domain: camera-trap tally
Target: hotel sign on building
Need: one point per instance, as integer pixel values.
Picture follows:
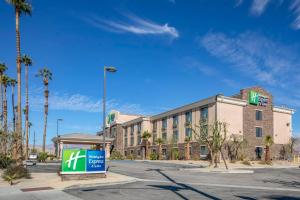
(257, 99)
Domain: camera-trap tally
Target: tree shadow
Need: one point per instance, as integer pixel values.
(245, 197)
(281, 197)
(294, 184)
(182, 186)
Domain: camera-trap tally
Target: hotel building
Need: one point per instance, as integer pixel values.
(250, 114)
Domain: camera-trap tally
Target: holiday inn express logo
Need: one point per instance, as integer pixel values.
(257, 99)
(74, 160)
(82, 161)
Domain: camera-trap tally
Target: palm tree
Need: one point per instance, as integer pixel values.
(268, 143)
(5, 81)
(46, 75)
(146, 135)
(27, 62)
(187, 140)
(159, 141)
(3, 68)
(21, 7)
(13, 83)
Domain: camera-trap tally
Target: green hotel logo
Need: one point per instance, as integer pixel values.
(253, 97)
(74, 160)
(257, 99)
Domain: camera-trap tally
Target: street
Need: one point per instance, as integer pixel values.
(168, 181)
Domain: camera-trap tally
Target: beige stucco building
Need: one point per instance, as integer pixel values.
(250, 114)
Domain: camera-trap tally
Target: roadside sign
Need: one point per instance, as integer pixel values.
(75, 161)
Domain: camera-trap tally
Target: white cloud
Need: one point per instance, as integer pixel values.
(135, 25)
(295, 8)
(258, 6)
(255, 55)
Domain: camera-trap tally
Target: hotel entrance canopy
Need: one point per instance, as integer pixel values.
(81, 139)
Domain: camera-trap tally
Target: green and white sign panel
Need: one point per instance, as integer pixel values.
(75, 161)
(257, 99)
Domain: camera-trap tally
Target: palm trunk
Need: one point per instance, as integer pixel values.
(1, 93)
(5, 119)
(27, 113)
(18, 151)
(45, 116)
(13, 107)
(187, 156)
(146, 150)
(267, 156)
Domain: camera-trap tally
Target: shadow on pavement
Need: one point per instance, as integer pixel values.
(295, 184)
(182, 187)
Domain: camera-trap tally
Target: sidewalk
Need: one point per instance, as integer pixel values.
(52, 180)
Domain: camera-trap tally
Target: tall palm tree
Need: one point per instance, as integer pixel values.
(146, 135)
(46, 75)
(5, 81)
(268, 143)
(187, 140)
(21, 7)
(159, 142)
(13, 83)
(26, 60)
(3, 68)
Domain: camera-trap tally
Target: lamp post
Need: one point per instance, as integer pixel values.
(112, 70)
(57, 145)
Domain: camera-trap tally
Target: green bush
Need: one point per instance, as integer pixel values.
(42, 156)
(153, 156)
(5, 161)
(15, 171)
(116, 155)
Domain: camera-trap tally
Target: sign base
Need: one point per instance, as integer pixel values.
(69, 177)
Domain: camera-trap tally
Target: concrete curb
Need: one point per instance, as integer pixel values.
(98, 184)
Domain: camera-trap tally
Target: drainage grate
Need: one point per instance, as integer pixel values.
(36, 189)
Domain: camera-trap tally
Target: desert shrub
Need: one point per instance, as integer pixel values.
(130, 157)
(263, 162)
(116, 155)
(5, 161)
(153, 156)
(15, 171)
(42, 156)
(246, 162)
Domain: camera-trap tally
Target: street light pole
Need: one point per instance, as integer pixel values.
(57, 145)
(112, 70)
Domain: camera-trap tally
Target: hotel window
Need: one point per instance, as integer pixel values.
(154, 138)
(164, 124)
(164, 137)
(113, 132)
(259, 132)
(175, 121)
(175, 136)
(154, 126)
(258, 115)
(139, 127)
(188, 132)
(204, 114)
(139, 136)
(132, 135)
(203, 151)
(188, 118)
(126, 137)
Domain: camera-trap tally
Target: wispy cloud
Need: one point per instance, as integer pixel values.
(260, 59)
(264, 60)
(83, 103)
(295, 8)
(258, 6)
(134, 25)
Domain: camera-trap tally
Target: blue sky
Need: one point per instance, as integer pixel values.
(168, 53)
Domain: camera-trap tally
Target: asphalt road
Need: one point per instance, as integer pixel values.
(168, 181)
